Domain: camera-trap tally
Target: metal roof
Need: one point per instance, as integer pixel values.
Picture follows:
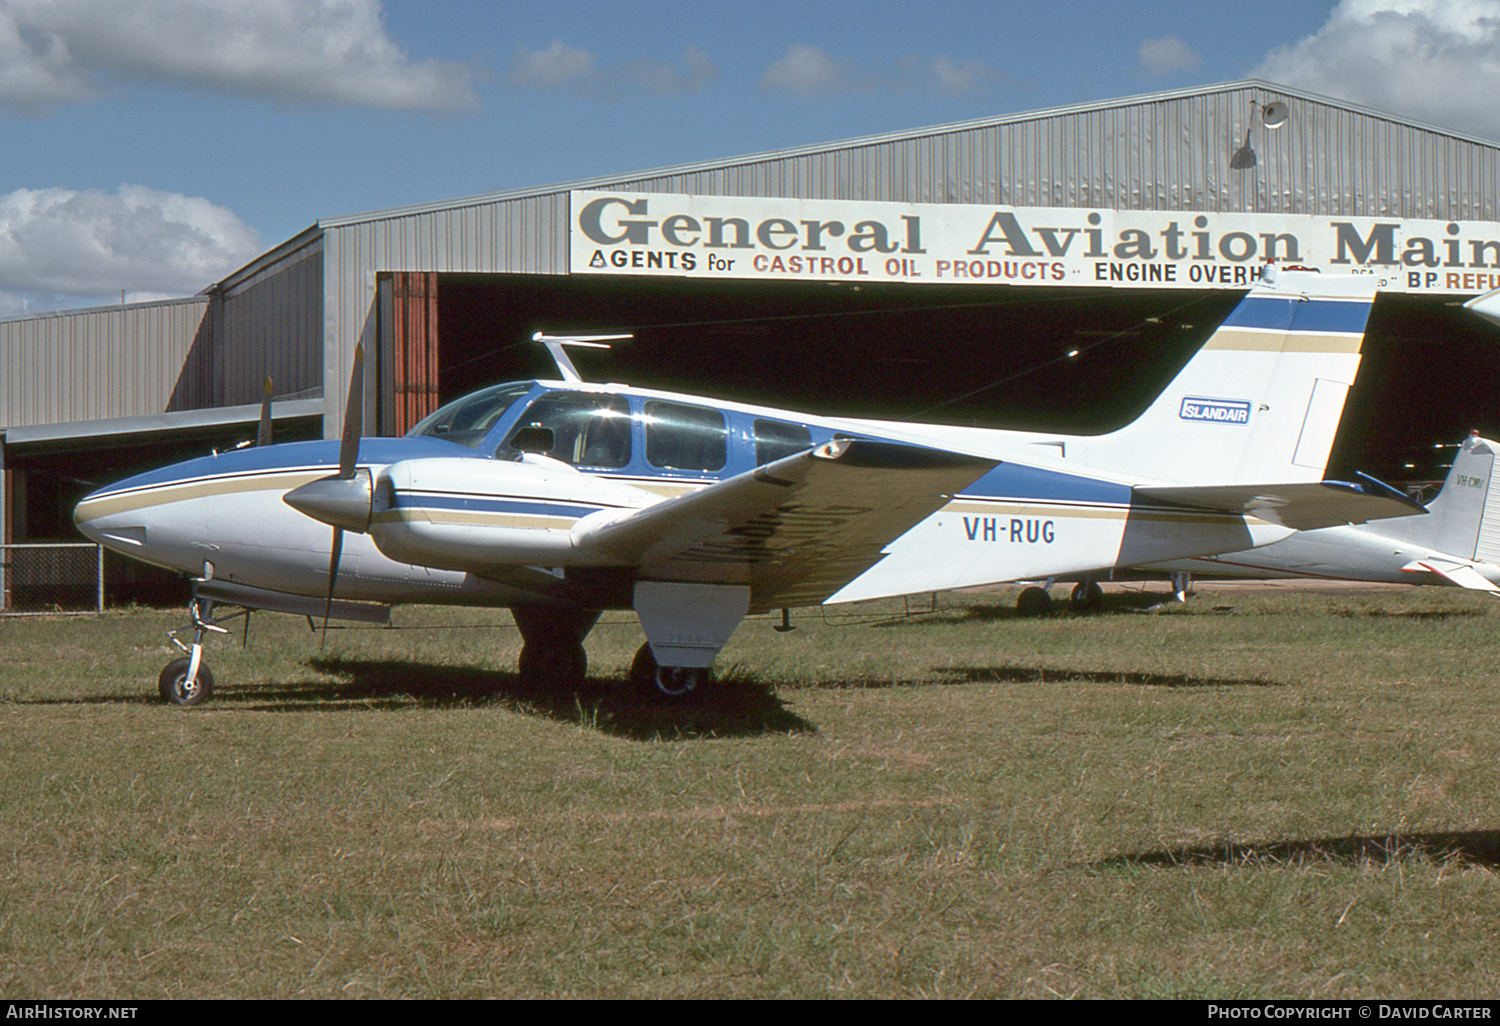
(699, 167)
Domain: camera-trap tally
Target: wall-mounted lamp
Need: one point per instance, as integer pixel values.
(1272, 115)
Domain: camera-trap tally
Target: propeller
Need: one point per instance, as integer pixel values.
(343, 500)
(263, 433)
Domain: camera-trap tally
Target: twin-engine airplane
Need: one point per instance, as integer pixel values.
(561, 499)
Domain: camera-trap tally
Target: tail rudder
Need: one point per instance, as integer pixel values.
(1261, 401)
(1463, 519)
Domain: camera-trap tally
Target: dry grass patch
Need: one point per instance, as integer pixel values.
(1290, 799)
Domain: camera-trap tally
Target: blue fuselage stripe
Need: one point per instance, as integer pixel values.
(1019, 482)
(491, 504)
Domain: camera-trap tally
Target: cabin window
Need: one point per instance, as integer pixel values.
(776, 438)
(466, 421)
(588, 429)
(683, 437)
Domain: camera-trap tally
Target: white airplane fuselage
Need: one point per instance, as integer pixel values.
(472, 512)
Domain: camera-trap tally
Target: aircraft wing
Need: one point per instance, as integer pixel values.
(1458, 571)
(1303, 507)
(796, 530)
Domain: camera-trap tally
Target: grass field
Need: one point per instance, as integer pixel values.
(1292, 797)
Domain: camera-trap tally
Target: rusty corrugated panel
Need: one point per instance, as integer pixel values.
(413, 374)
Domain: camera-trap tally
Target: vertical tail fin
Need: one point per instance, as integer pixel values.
(1464, 518)
(1262, 400)
(1462, 525)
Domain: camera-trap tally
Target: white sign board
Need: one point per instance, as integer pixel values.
(660, 234)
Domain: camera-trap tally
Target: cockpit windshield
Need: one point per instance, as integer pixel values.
(468, 420)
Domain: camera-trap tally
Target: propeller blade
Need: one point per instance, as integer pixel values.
(333, 577)
(263, 433)
(354, 422)
(354, 416)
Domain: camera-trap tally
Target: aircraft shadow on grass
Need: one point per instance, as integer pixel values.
(727, 708)
(1134, 603)
(1046, 675)
(1474, 847)
(997, 612)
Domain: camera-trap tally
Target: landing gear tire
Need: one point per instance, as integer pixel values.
(670, 682)
(173, 686)
(1087, 597)
(560, 665)
(1034, 602)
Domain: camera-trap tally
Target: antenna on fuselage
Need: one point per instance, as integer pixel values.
(555, 344)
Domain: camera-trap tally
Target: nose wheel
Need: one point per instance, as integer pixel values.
(179, 685)
(187, 681)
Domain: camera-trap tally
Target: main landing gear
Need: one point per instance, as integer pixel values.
(552, 652)
(1087, 597)
(552, 655)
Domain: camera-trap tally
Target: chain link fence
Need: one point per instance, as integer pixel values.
(80, 577)
(65, 577)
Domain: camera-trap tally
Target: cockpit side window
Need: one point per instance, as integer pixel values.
(776, 438)
(466, 421)
(683, 437)
(588, 429)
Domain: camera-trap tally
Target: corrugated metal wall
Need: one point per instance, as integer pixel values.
(99, 364)
(269, 322)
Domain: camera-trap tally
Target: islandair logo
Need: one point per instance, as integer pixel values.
(1222, 411)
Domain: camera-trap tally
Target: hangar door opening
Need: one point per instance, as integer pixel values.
(1075, 360)
(964, 355)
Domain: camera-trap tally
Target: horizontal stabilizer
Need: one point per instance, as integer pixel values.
(796, 530)
(1303, 507)
(1459, 572)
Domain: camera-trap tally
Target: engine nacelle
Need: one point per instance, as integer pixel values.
(466, 514)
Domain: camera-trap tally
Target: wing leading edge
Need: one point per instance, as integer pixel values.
(796, 530)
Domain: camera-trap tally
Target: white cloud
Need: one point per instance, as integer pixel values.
(955, 78)
(332, 52)
(79, 248)
(1433, 60)
(1167, 56)
(809, 72)
(553, 68)
(663, 79)
(561, 66)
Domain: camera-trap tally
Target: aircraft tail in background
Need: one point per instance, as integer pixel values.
(1462, 523)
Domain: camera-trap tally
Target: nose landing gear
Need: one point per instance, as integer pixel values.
(187, 680)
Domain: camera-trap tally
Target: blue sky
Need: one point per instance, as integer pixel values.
(152, 147)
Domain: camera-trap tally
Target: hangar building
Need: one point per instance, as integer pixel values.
(1042, 269)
